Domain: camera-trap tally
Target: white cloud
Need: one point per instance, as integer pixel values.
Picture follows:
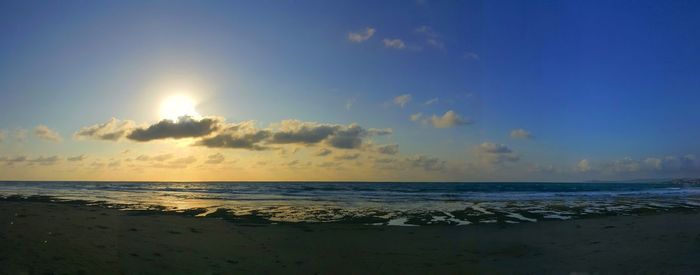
(402, 100)
(431, 101)
(520, 134)
(394, 43)
(46, 133)
(359, 37)
(449, 119)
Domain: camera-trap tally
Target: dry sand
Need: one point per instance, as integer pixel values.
(42, 237)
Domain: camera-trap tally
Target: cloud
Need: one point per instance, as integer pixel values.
(431, 37)
(178, 163)
(349, 137)
(337, 136)
(44, 160)
(491, 154)
(471, 56)
(349, 103)
(77, 158)
(184, 127)
(41, 160)
(295, 131)
(520, 134)
(45, 133)
(14, 160)
(416, 117)
(215, 158)
(389, 149)
(361, 36)
(111, 130)
(243, 135)
(157, 158)
(426, 163)
(347, 156)
(21, 135)
(402, 100)
(669, 165)
(323, 152)
(448, 120)
(583, 166)
(394, 43)
(214, 133)
(3, 135)
(431, 101)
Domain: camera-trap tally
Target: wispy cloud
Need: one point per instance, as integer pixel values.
(431, 101)
(402, 100)
(361, 36)
(395, 43)
(471, 56)
(215, 158)
(349, 103)
(111, 130)
(416, 117)
(520, 134)
(77, 158)
(45, 133)
(432, 38)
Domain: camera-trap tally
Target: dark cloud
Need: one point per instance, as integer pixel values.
(214, 133)
(389, 149)
(77, 158)
(495, 154)
(347, 156)
(337, 136)
(184, 127)
(13, 160)
(426, 163)
(294, 131)
(41, 160)
(323, 152)
(242, 136)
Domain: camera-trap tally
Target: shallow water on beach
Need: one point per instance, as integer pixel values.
(375, 203)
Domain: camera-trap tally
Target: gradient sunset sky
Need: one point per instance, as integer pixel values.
(349, 90)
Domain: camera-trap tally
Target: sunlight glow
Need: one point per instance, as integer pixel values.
(177, 106)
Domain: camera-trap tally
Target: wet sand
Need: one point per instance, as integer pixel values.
(43, 237)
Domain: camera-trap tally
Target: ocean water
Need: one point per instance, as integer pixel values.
(403, 204)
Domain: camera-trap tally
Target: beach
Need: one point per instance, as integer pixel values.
(72, 238)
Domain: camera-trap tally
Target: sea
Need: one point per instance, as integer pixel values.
(375, 203)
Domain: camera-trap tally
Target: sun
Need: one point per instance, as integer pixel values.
(174, 107)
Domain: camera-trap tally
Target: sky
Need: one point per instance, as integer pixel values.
(349, 90)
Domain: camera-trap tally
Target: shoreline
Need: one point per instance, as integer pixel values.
(466, 217)
(62, 237)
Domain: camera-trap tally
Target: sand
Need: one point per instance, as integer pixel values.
(44, 237)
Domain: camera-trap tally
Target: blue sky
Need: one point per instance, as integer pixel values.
(611, 83)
